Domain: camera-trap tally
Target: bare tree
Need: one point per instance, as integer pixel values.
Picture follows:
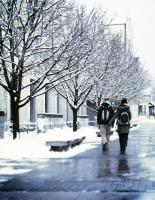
(135, 80)
(31, 45)
(106, 68)
(118, 73)
(82, 57)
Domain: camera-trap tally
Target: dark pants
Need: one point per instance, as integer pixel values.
(123, 140)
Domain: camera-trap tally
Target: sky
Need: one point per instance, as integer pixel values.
(142, 14)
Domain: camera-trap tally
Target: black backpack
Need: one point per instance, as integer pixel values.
(105, 115)
(123, 118)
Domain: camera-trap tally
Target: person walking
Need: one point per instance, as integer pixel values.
(104, 114)
(123, 115)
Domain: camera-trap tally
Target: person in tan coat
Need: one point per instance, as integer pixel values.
(104, 114)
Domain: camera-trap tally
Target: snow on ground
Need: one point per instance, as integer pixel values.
(144, 119)
(29, 150)
(32, 145)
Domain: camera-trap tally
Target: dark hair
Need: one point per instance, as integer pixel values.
(123, 101)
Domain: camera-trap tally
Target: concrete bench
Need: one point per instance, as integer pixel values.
(64, 145)
(77, 141)
(58, 145)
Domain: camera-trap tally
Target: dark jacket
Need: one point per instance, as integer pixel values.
(107, 106)
(121, 128)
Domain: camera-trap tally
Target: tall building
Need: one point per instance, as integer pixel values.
(50, 107)
(125, 30)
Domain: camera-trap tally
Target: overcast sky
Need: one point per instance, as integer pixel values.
(142, 13)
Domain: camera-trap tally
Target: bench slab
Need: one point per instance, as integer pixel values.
(64, 145)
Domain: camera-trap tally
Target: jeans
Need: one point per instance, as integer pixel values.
(123, 140)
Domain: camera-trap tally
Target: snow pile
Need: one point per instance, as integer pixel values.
(32, 145)
(29, 150)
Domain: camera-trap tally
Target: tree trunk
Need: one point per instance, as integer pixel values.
(75, 119)
(14, 117)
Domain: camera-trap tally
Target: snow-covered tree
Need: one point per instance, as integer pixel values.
(118, 73)
(135, 81)
(81, 58)
(31, 46)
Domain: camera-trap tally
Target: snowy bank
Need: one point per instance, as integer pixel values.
(32, 145)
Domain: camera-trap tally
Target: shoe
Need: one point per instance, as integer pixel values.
(122, 152)
(104, 146)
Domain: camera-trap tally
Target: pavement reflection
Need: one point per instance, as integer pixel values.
(123, 166)
(104, 168)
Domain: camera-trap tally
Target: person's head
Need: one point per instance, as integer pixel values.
(106, 102)
(124, 101)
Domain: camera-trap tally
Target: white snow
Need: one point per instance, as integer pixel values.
(32, 145)
(29, 150)
(20, 155)
(11, 170)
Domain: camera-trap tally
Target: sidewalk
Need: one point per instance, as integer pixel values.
(93, 174)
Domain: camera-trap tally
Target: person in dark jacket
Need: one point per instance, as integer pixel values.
(105, 113)
(123, 115)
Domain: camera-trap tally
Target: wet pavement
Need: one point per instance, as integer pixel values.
(93, 174)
